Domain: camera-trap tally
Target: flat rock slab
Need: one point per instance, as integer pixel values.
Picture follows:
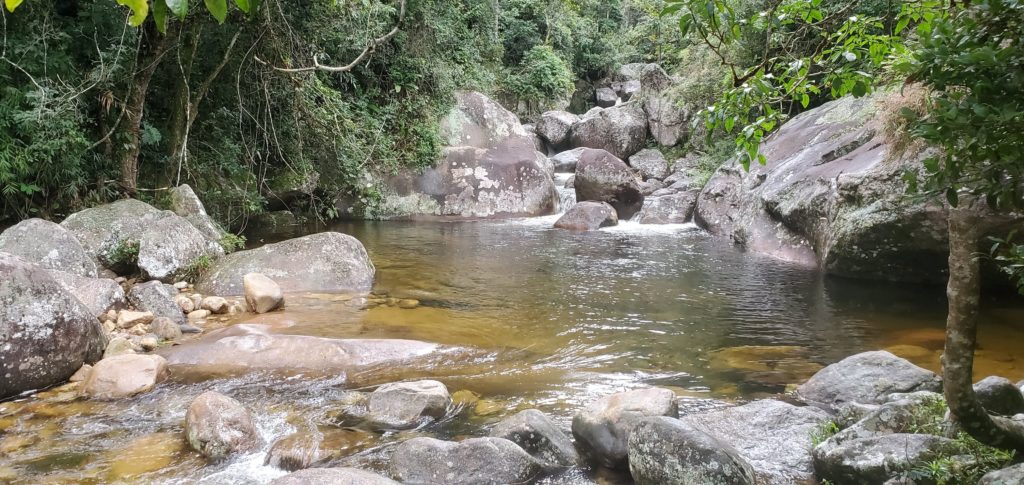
(866, 378)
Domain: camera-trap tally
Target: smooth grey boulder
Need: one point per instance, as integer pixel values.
(185, 203)
(333, 476)
(606, 97)
(404, 405)
(295, 451)
(99, 294)
(602, 177)
(566, 161)
(650, 164)
(877, 459)
(666, 451)
(621, 130)
(535, 433)
(46, 334)
(999, 396)
(770, 436)
(157, 298)
(602, 429)
(328, 261)
(171, 245)
(217, 425)
(475, 461)
(588, 216)
(674, 208)
(866, 378)
(1013, 475)
(555, 127)
(49, 245)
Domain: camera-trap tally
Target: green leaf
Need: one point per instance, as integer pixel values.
(952, 197)
(160, 15)
(140, 10)
(177, 7)
(217, 8)
(12, 4)
(685, 22)
(805, 100)
(243, 5)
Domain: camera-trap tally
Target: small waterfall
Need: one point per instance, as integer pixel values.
(566, 197)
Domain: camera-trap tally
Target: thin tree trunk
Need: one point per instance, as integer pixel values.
(152, 48)
(964, 294)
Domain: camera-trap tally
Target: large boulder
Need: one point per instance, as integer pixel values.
(46, 334)
(566, 161)
(157, 298)
(602, 177)
(475, 461)
(172, 245)
(666, 451)
(866, 378)
(99, 294)
(588, 216)
(328, 261)
(185, 203)
(877, 459)
(535, 433)
(832, 193)
(217, 425)
(49, 245)
(621, 130)
(245, 348)
(480, 122)
(403, 405)
(555, 127)
(604, 426)
(333, 476)
(668, 122)
(124, 376)
(771, 436)
(650, 163)
(999, 396)
(674, 208)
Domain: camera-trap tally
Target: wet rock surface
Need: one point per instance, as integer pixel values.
(408, 404)
(124, 376)
(602, 429)
(476, 461)
(217, 425)
(539, 436)
(588, 216)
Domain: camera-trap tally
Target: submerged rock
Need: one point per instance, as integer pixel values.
(328, 261)
(603, 427)
(866, 378)
(588, 216)
(620, 130)
(403, 405)
(217, 425)
(49, 245)
(124, 376)
(295, 451)
(602, 177)
(46, 334)
(261, 293)
(666, 451)
(475, 461)
(535, 433)
(333, 476)
(876, 459)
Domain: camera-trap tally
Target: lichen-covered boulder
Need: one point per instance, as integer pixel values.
(104, 228)
(217, 425)
(602, 177)
(480, 122)
(539, 436)
(876, 459)
(650, 163)
(866, 378)
(555, 127)
(566, 161)
(403, 405)
(171, 245)
(328, 261)
(46, 334)
(674, 208)
(621, 130)
(333, 476)
(124, 376)
(185, 203)
(475, 461)
(666, 451)
(602, 428)
(157, 298)
(98, 294)
(668, 122)
(49, 245)
(588, 216)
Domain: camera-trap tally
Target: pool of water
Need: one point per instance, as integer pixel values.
(555, 319)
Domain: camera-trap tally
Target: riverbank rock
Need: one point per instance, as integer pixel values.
(124, 376)
(295, 451)
(98, 294)
(555, 127)
(999, 396)
(157, 298)
(475, 461)
(649, 163)
(49, 245)
(666, 451)
(217, 425)
(404, 405)
(770, 436)
(171, 245)
(876, 459)
(668, 209)
(333, 476)
(324, 262)
(244, 348)
(538, 435)
(1007, 476)
(602, 177)
(185, 203)
(262, 294)
(603, 427)
(588, 216)
(620, 130)
(46, 334)
(866, 378)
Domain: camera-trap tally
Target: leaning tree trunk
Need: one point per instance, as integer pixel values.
(964, 293)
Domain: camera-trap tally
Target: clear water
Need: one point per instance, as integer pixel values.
(558, 319)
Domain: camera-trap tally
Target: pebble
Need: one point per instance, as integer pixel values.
(128, 319)
(149, 342)
(120, 279)
(118, 346)
(197, 300)
(185, 303)
(181, 285)
(139, 329)
(198, 315)
(109, 326)
(408, 303)
(215, 304)
(111, 314)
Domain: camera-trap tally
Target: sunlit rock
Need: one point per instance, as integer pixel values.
(866, 378)
(217, 425)
(471, 462)
(404, 405)
(538, 435)
(124, 376)
(603, 427)
(261, 293)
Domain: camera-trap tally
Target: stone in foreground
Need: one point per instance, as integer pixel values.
(876, 459)
(666, 451)
(535, 433)
(333, 476)
(262, 293)
(603, 427)
(866, 378)
(217, 425)
(475, 461)
(588, 216)
(403, 405)
(125, 375)
(295, 451)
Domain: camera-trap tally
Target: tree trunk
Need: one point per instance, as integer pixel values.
(964, 294)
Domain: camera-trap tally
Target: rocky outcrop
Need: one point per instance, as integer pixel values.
(124, 376)
(46, 334)
(604, 426)
(217, 425)
(333, 476)
(404, 405)
(49, 245)
(866, 378)
(185, 203)
(475, 461)
(668, 209)
(621, 130)
(555, 127)
(588, 216)
(328, 261)
(602, 177)
(650, 163)
(666, 451)
(535, 433)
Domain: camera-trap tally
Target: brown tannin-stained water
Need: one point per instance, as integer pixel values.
(554, 319)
